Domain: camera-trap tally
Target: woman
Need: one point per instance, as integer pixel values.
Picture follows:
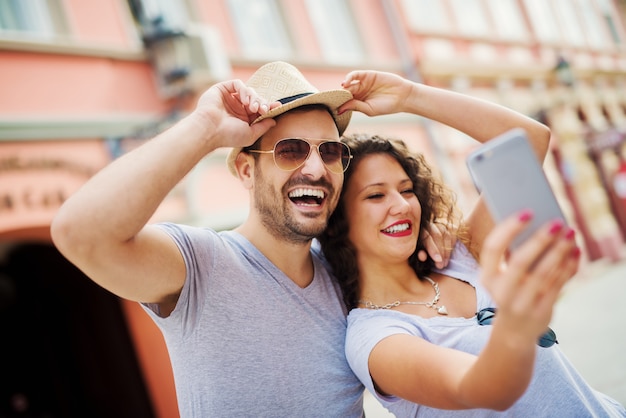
(414, 337)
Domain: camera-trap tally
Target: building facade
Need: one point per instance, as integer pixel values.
(82, 82)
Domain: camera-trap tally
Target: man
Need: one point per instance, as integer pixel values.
(253, 322)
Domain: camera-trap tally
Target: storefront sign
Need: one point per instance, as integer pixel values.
(35, 179)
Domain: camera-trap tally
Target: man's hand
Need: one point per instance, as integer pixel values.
(228, 110)
(438, 243)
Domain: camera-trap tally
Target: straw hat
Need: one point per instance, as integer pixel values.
(280, 81)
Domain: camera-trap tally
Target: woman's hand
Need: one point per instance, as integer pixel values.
(376, 93)
(527, 287)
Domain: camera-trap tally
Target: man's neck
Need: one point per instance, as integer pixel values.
(292, 258)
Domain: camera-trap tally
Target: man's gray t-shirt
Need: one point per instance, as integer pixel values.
(245, 340)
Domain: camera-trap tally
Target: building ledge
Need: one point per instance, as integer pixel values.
(68, 47)
(63, 128)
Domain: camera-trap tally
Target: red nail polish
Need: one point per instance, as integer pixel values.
(556, 227)
(576, 252)
(526, 216)
(570, 234)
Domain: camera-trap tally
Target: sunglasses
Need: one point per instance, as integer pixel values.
(291, 153)
(485, 317)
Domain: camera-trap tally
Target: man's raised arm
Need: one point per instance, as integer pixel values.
(103, 228)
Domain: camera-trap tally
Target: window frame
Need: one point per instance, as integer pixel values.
(42, 20)
(438, 22)
(261, 39)
(333, 20)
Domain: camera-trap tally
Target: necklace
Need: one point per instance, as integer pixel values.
(441, 310)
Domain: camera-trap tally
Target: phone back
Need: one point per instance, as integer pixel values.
(508, 175)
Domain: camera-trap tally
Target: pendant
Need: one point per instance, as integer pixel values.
(441, 310)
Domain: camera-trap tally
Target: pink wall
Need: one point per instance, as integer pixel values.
(153, 359)
(101, 22)
(45, 84)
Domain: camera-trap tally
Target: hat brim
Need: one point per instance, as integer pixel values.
(332, 99)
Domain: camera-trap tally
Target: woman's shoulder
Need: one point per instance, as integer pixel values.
(370, 320)
(462, 264)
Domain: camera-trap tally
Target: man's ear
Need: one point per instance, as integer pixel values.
(244, 165)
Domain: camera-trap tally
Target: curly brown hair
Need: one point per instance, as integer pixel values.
(437, 201)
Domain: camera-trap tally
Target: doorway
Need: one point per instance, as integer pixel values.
(65, 350)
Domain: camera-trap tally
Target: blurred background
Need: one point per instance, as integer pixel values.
(84, 81)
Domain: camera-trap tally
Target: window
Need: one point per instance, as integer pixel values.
(594, 25)
(335, 29)
(609, 15)
(427, 16)
(158, 16)
(570, 24)
(260, 28)
(470, 17)
(42, 19)
(543, 21)
(507, 19)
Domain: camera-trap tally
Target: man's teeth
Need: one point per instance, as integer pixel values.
(307, 192)
(397, 228)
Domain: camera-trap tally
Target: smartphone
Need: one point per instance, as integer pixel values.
(507, 173)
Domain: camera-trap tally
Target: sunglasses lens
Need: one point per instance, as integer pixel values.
(289, 154)
(485, 316)
(548, 339)
(335, 155)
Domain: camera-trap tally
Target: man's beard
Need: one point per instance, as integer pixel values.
(275, 211)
